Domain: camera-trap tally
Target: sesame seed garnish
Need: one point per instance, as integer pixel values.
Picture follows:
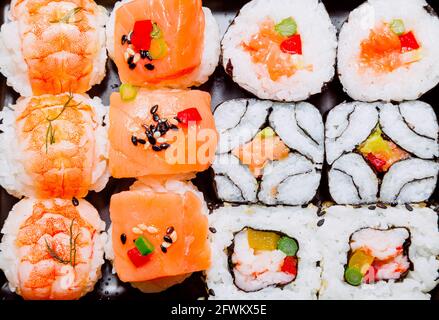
(371, 207)
(157, 134)
(211, 292)
(147, 145)
(212, 229)
(161, 140)
(136, 58)
(173, 121)
(156, 148)
(132, 66)
(155, 117)
(164, 250)
(154, 109)
(164, 146)
(134, 140)
(131, 52)
(169, 230)
(152, 229)
(408, 207)
(174, 236)
(149, 66)
(141, 141)
(167, 239)
(126, 55)
(142, 226)
(124, 39)
(136, 230)
(75, 202)
(320, 223)
(123, 238)
(381, 205)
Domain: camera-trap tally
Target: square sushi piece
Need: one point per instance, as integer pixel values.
(158, 234)
(268, 152)
(160, 132)
(382, 152)
(263, 253)
(381, 254)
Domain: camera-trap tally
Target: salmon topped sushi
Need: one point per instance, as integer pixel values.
(159, 234)
(53, 46)
(54, 146)
(163, 43)
(52, 249)
(162, 132)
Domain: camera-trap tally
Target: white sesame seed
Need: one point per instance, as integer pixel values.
(126, 55)
(131, 52)
(147, 145)
(152, 229)
(157, 134)
(166, 244)
(137, 230)
(173, 121)
(136, 58)
(161, 140)
(133, 128)
(142, 226)
(173, 236)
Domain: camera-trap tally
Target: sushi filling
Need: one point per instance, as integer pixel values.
(278, 47)
(378, 255)
(259, 259)
(389, 47)
(266, 146)
(380, 152)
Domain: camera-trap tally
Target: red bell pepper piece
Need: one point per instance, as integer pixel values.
(141, 37)
(136, 257)
(290, 265)
(189, 115)
(408, 42)
(377, 163)
(292, 45)
(370, 276)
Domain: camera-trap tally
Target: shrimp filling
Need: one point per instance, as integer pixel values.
(263, 258)
(389, 47)
(378, 255)
(55, 249)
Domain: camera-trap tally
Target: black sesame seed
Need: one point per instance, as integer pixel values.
(154, 109)
(164, 250)
(149, 66)
(152, 127)
(211, 292)
(75, 202)
(320, 223)
(173, 127)
(130, 60)
(164, 146)
(123, 238)
(393, 205)
(156, 148)
(132, 66)
(169, 230)
(155, 117)
(408, 207)
(381, 205)
(144, 54)
(152, 140)
(124, 39)
(357, 206)
(371, 207)
(134, 140)
(212, 229)
(141, 141)
(321, 213)
(167, 239)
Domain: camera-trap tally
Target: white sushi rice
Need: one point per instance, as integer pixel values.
(412, 126)
(211, 46)
(404, 83)
(342, 222)
(14, 177)
(14, 67)
(299, 223)
(319, 43)
(289, 181)
(9, 261)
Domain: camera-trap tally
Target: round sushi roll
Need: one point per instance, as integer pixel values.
(263, 253)
(281, 50)
(180, 46)
(53, 46)
(54, 146)
(388, 50)
(268, 152)
(387, 253)
(52, 249)
(158, 233)
(382, 152)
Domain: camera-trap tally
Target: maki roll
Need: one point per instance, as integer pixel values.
(160, 132)
(382, 152)
(281, 50)
(388, 50)
(387, 253)
(53, 46)
(163, 43)
(52, 249)
(54, 146)
(158, 234)
(263, 253)
(268, 152)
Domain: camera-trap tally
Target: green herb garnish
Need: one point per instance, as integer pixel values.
(50, 133)
(287, 27)
(156, 33)
(73, 240)
(69, 15)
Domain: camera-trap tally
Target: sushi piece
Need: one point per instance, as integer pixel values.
(263, 253)
(382, 152)
(52, 249)
(281, 50)
(163, 43)
(161, 132)
(54, 146)
(384, 253)
(268, 152)
(52, 47)
(388, 50)
(159, 234)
